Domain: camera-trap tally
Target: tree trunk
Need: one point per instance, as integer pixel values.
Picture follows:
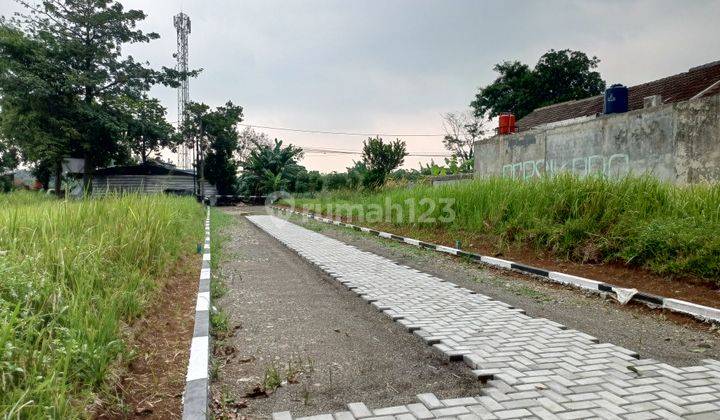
(87, 176)
(58, 178)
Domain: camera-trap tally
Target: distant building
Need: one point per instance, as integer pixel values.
(21, 178)
(668, 128)
(146, 178)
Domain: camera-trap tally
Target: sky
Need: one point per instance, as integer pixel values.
(395, 66)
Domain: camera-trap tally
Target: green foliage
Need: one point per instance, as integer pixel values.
(642, 222)
(145, 128)
(219, 321)
(9, 158)
(218, 140)
(72, 274)
(336, 181)
(305, 181)
(64, 80)
(270, 168)
(8, 161)
(558, 76)
(356, 173)
(380, 159)
(272, 379)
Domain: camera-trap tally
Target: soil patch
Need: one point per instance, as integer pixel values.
(152, 386)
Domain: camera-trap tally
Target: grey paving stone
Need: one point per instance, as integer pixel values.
(283, 415)
(420, 411)
(389, 411)
(450, 411)
(430, 401)
(359, 410)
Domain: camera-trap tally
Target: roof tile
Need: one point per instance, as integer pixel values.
(677, 88)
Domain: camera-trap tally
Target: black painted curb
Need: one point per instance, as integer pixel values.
(704, 313)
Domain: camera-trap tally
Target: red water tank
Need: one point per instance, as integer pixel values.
(507, 123)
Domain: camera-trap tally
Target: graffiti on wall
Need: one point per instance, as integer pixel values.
(614, 166)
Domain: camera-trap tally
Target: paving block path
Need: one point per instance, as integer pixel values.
(534, 367)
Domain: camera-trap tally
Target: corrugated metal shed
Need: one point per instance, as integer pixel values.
(148, 178)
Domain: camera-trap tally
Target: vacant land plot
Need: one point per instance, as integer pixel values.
(72, 276)
(639, 221)
(635, 232)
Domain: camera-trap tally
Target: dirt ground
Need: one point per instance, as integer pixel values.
(296, 327)
(152, 386)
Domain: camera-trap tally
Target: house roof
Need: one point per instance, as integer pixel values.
(697, 82)
(142, 169)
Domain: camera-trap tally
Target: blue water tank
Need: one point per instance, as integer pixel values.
(616, 99)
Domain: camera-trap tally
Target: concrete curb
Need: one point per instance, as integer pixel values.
(704, 313)
(196, 398)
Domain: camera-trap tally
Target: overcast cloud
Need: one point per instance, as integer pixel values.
(396, 66)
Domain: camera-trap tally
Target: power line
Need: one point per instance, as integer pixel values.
(321, 150)
(339, 133)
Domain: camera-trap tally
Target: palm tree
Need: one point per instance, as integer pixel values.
(270, 168)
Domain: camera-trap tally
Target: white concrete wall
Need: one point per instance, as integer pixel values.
(677, 142)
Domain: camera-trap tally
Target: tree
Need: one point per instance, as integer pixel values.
(39, 110)
(270, 168)
(337, 181)
(306, 181)
(217, 142)
(9, 158)
(250, 139)
(558, 76)
(462, 130)
(381, 159)
(146, 129)
(8, 162)
(356, 174)
(74, 48)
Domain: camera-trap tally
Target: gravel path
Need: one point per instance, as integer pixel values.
(338, 348)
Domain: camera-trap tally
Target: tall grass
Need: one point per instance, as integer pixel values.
(639, 221)
(71, 273)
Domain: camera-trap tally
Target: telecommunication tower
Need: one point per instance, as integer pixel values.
(182, 25)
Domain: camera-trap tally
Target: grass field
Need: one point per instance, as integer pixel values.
(72, 274)
(638, 221)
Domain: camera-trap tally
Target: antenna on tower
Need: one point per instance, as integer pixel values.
(182, 25)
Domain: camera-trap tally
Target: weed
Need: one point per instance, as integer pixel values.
(306, 395)
(272, 380)
(218, 288)
(214, 369)
(532, 294)
(220, 323)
